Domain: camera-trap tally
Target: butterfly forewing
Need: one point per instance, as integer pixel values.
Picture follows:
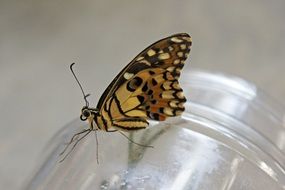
(147, 88)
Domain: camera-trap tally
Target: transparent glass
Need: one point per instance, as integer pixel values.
(231, 136)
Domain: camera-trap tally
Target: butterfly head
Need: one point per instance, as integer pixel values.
(88, 113)
(85, 113)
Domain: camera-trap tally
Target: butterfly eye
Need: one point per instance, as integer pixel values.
(86, 113)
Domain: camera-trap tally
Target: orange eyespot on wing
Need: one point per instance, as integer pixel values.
(148, 87)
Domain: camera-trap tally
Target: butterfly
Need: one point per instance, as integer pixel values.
(147, 88)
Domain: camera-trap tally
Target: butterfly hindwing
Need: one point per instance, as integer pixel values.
(148, 87)
(163, 97)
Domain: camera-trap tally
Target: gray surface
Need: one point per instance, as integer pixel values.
(39, 39)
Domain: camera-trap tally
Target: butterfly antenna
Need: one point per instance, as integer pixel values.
(84, 96)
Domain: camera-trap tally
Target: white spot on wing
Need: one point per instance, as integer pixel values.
(176, 61)
(128, 75)
(151, 52)
(140, 58)
(164, 56)
(180, 54)
(177, 40)
(183, 46)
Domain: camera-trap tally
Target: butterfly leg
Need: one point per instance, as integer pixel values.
(124, 135)
(111, 130)
(72, 139)
(87, 131)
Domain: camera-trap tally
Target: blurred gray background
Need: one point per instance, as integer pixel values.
(39, 40)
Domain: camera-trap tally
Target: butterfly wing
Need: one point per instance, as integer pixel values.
(147, 88)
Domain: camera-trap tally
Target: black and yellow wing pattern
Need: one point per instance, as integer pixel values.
(147, 88)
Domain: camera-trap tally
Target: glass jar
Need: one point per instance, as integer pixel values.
(231, 136)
